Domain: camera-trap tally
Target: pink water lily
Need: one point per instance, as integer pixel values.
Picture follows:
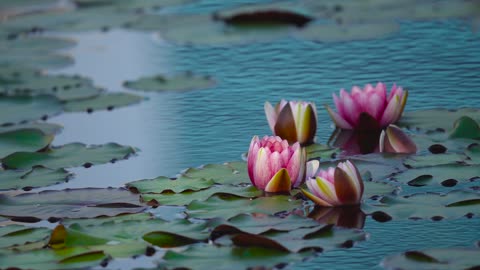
(295, 121)
(358, 109)
(275, 166)
(337, 186)
(394, 140)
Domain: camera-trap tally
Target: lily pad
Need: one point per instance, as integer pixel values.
(125, 5)
(454, 204)
(187, 197)
(48, 129)
(324, 152)
(61, 86)
(70, 203)
(465, 127)
(23, 109)
(30, 140)
(69, 155)
(12, 235)
(201, 256)
(445, 175)
(434, 259)
(164, 184)
(436, 119)
(473, 153)
(108, 101)
(229, 173)
(37, 52)
(36, 177)
(434, 160)
(178, 82)
(232, 206)
(73, 258)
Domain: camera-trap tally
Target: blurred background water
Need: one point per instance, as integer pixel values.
(437, 61)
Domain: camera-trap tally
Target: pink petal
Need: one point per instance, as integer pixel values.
(351, 109)
(376, 105)
(312, 168)
(261, 170)
(271, 115)
(398, 142)
(346, 188)
(391, 112)
(280, 182)
(316, 199)
(338, 120)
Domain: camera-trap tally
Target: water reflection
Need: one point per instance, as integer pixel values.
(354, 142)
(347, 216)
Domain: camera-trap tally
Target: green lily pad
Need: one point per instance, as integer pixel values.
(473, 153)
(257, 224)
(324, 152)
(61, 86)
(434, 160)
(446, 175)
(69, 155)
(70, 203)
(164, 184)
(23, 140)
(201, 256)
(36, 177)
(37, 52)
(434, 259)
(187, 197)
(129, 5)
(178, 82)
(465, 127)
(332, 32)
(12, 235)
(454, 204)
(232, 206)
(436, 119)
(201, 29)
(48, 129)
(425, 142)
(102, 102)
(229, 173)
(23, 109)
(84, 222)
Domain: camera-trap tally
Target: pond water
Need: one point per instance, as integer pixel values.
(437, 61)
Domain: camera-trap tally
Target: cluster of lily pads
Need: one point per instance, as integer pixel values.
(273, 209)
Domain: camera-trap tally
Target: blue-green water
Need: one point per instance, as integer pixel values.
(437, 61)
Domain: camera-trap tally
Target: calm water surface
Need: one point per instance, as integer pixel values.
(438, 62)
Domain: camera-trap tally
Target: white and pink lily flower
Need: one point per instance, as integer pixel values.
(369, 101)
(275, 166)
(337, 186)
(394, 140)
(294, 121)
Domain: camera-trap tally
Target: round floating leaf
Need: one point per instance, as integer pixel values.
(465, 127)
(179, 82)
(374, 189)
(187, 197)
(436, 206)
(445, 175)
(129, 5)
(205, 256)
(108, 101)
(46, 128)
(72, 258)
(257, 224)
(18, 235)
(36, 177)
(324, 152)
(436, 119)
(232, 206)
(61, 86)
(434, 160)
(70, 203)
(434, 259)
(69, 155)
(23, 140)
(473, 153)
(228, 173)
(22, 109)
(38, 52)
(164, 184)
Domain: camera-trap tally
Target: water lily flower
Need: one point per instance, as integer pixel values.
(337, 186)
(394, 140)
(275, 166)
(295, 121)
(362, 108)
